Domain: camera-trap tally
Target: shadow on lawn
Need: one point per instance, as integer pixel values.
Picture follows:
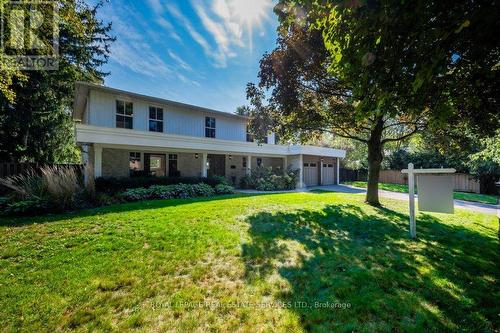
(443, 282)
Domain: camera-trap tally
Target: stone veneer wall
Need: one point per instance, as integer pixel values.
(237, 172)
(188, 165)
(274, 162)
(115, 163)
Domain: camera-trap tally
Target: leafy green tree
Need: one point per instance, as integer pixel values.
(243, 110)
(485, 164)
(8, 72)
(35, 121)
(379, 71)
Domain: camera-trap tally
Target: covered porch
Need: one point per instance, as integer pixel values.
(117, 161)
(135, 161)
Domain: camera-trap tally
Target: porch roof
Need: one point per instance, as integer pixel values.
(132, 139)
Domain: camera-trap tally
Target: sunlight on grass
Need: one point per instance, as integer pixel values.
(282, 262)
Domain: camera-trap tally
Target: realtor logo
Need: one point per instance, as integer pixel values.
(30, 34)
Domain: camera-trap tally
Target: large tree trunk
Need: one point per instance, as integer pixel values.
(375, 156)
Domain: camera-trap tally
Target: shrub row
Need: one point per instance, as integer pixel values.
(116, 185)
(267, 179)
(175, 191)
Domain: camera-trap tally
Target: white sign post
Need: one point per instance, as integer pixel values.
(411, 171)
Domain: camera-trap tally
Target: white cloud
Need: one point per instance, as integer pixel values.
(168, 26)
(185, 80)
(179, 60)
(156, 6)
(217, 56)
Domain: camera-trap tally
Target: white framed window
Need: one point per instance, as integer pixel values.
(155, 119)
(259, 161)
(135, 161)
(124, 114)
(210, 127)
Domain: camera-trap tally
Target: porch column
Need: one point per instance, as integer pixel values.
(204, 160)
(301, 171)
(338, 171)
(321, 170)
(87, 172)
(249, 165)
(285, 163)
(97, 160)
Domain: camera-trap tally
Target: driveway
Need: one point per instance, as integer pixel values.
(474, 206)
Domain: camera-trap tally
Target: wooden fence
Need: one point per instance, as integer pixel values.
(349, 175)
(462, 182)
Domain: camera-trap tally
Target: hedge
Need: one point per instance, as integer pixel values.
(115, 185)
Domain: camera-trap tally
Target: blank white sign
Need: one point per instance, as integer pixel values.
(435, 193)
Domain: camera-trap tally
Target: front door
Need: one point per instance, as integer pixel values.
(216, 165)
(155, 164)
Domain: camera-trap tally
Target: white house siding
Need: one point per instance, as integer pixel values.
(177, 120)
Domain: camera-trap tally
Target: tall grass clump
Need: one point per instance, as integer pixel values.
(53, 188)
(63, 185)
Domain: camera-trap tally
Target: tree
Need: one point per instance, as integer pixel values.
(243, 110)
(36, 124)
(8, 72)
(379, 71)
(485, 164)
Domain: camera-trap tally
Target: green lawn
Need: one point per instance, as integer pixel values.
(320, 262)
(483, 198)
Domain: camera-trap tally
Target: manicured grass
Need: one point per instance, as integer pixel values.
(483, 198)
(321, 262)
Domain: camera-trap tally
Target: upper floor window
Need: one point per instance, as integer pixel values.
(124, 114)
(209, 127)
(155, 119)
(250, 137)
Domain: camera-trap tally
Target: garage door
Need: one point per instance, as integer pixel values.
(328, 174)
(311, 174)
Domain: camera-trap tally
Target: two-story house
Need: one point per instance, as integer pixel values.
(124, 134)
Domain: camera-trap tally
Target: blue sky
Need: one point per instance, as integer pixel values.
(201, 52)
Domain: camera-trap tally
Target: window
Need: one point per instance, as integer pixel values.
(135, 161)
(155, 119)
(250, 137)
(244, 162)
(266, 139)
(209, 127)
(172, 166)
(124, 114)
(259, 161)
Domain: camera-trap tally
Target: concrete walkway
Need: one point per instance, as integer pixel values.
(473, 206)
(469, 205)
